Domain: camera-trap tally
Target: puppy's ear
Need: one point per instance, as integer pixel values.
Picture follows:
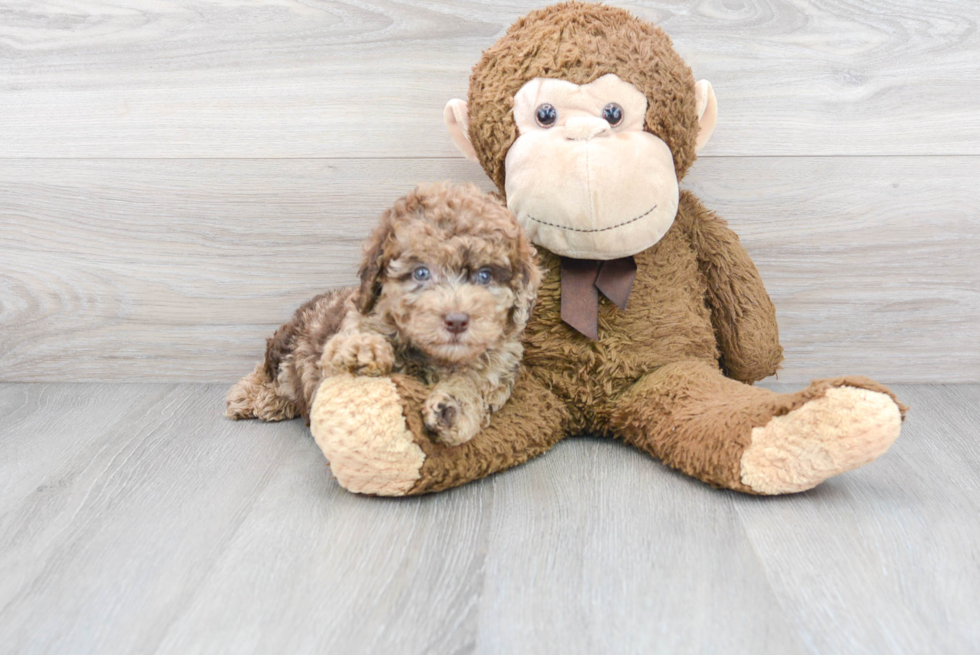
(529, 279)
(373, 267)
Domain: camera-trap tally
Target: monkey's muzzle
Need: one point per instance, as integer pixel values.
(605, 196)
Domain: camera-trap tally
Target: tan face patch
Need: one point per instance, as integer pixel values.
(584, 178)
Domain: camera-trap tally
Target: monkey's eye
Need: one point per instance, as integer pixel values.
(546, 115)
(483, 276)
(421, 274)
(613, 114)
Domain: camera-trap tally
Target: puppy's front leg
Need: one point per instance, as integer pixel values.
(360, 353)
(454, 413)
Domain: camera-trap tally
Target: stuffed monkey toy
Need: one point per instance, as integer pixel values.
(652, 322)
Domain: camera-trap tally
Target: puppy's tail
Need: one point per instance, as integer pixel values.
(255, 396)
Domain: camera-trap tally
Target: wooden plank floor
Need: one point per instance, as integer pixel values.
(134, 518)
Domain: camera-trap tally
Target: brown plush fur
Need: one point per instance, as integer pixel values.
(396, 323)
(669, 373)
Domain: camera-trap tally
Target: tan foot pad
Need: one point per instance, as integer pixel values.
(846, 428)
(358, 424)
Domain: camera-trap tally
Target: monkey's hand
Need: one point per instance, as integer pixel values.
(450, 421)
(360, 353)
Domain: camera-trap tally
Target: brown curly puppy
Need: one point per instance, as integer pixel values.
(448, 282)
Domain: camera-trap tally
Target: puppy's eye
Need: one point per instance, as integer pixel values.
(483, 276)
(546, 115)
(613, 114)
(421, 274)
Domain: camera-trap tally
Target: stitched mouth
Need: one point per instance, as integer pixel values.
(600, 229)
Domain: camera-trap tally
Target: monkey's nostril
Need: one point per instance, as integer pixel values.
(457, 322)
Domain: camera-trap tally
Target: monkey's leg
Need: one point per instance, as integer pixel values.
(372, 433)
(733, 435)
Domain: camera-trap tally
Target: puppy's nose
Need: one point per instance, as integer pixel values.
(457, 322)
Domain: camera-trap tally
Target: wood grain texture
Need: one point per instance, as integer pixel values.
(179, 270)
(133, 518)
(284, 78)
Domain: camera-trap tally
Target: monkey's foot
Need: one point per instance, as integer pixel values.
(359, 426)
(846, 428)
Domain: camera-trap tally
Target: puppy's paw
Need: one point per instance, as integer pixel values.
(445, 417)
(357, 353)
(441, 411)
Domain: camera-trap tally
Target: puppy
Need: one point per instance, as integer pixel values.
(448, 282)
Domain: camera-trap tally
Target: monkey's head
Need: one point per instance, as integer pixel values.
(585, 118)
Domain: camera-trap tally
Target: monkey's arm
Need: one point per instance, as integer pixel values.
(742, 314)
(371, 432)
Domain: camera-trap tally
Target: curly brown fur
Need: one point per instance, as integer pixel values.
(442, 256)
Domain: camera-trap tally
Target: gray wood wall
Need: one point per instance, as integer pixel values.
(177, 176)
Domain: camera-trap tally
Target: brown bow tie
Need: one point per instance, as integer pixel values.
(581, 282)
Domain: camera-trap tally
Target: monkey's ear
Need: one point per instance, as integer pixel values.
(704, 95)
(457, 117)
